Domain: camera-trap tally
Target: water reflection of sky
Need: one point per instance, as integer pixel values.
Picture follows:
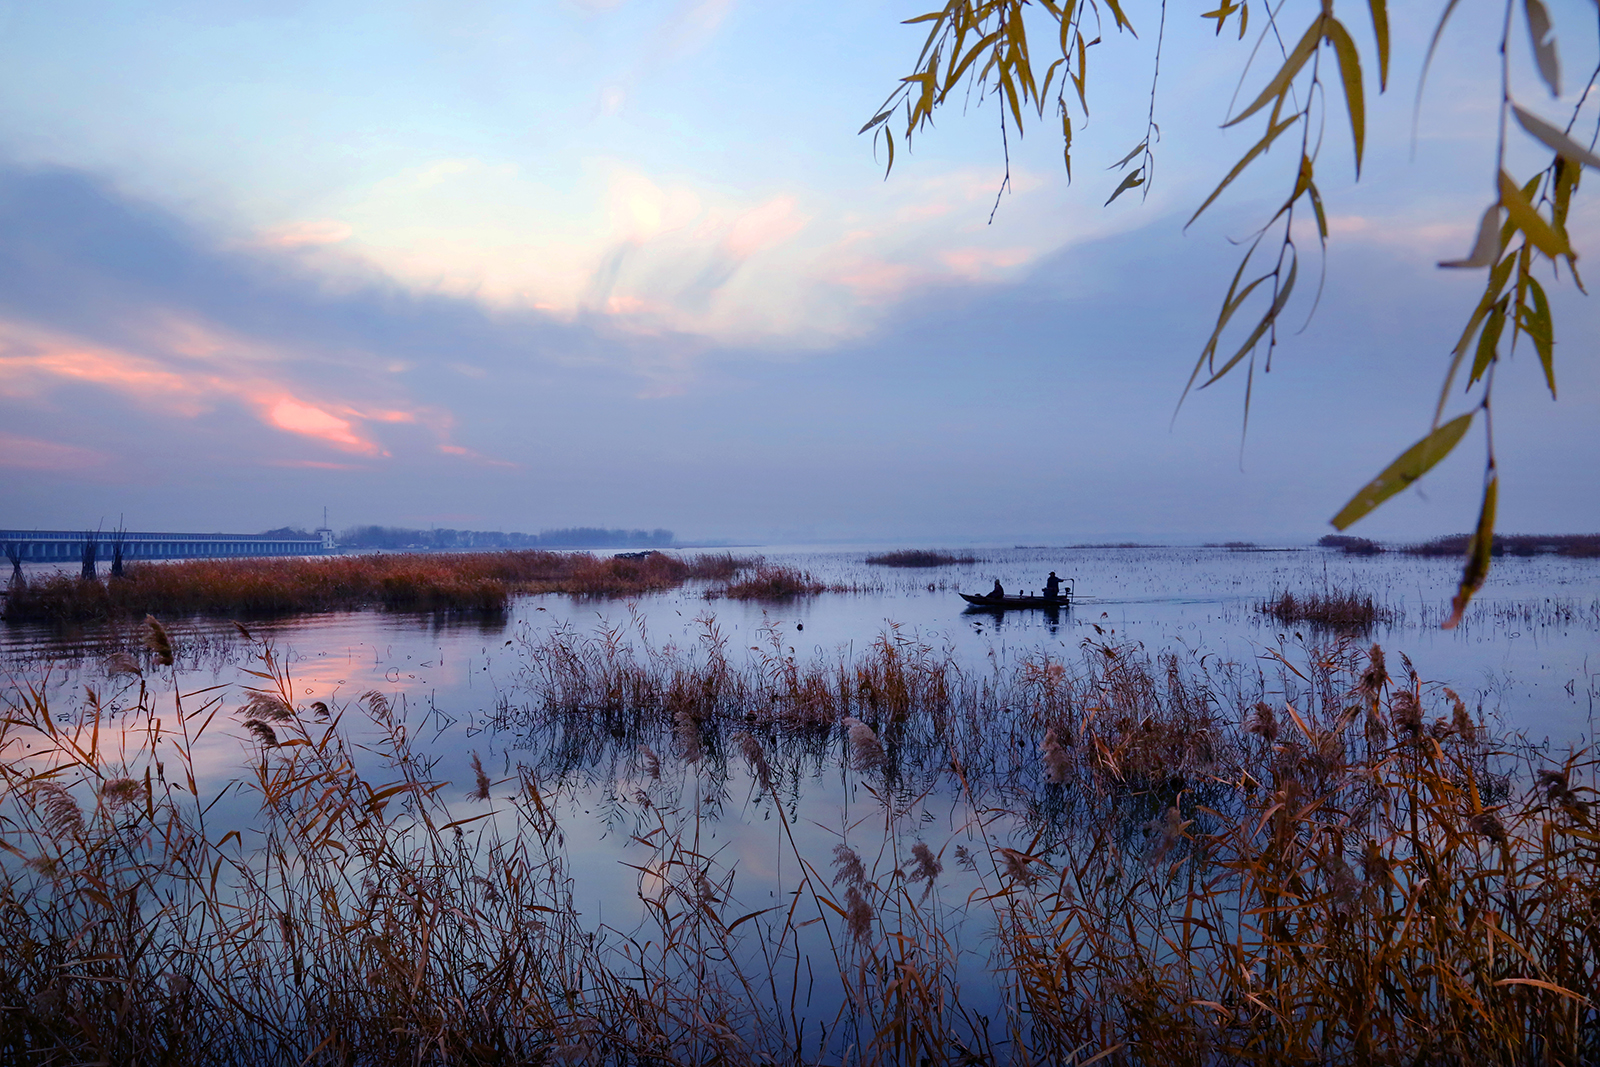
(1523, 655)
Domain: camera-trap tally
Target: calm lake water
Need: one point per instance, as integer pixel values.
(1522, 656)
(1522, 660)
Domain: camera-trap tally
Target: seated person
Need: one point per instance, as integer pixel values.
(998, 592)
(1052, 587)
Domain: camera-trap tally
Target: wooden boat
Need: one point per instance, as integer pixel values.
(1008, 603)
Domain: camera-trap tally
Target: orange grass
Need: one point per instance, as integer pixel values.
(1347, 870)
(479, 582)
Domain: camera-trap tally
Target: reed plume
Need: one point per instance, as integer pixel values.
(157, 641)
(480, 789)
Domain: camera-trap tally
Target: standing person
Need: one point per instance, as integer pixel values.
(1052, 587)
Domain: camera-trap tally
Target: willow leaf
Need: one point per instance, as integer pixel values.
(1544, 45)
(1125, 160)
(1380, 30)
(1554, 139)
(1350, 75)
(1413, 463)
(1230, 304)
(1261, 146)
(1478, 553)
(1261, 327)
(1316, 206)
(1489, 340)
(1291, 66)
(1134, 179)
(1529, 221)
(1487, 244)
(876, 119)
(967, 61)
(1427, 60)
(1538, 326)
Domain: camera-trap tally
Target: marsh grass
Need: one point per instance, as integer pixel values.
(1354, 546)
(1305, 860)
(919, 558)
(772, 582)
(1335, 609)
(469, 582)
(1575, 546)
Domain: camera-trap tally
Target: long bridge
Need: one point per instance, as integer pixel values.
(72, 546)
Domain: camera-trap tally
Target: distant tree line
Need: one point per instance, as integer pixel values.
(1581, 546)
(397, 537)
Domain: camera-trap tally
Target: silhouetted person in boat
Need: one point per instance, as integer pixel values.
(998, 592)
(1052, 587)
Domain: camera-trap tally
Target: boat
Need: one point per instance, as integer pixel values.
(1009, 603)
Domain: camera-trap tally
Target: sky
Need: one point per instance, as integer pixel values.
(628, 263)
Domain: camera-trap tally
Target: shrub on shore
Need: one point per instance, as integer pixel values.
(470, 582)
(919, 557)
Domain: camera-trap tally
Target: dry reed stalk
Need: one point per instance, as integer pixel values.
(1174, 888)
(1336, 609)
(771, 583)
(480, 582)
(919, 558)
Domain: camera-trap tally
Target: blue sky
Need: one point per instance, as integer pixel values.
(627, 263)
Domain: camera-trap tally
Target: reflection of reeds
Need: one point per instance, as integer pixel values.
(1159, 875)
(480, 582)
(915, 557)
(1338, 609)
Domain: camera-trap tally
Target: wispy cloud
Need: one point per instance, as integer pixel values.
(32, 454)
(311, 233)
(104, 294)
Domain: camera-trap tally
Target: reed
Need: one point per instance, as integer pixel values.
(1336, 609)
(1161, 860)
(1577, 546)
(1353, 546)
(478, 583)
(917, 557)
(771, 582)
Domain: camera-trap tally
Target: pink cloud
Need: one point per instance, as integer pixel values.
(770, 224)
(307, 234)
(979, 263)
(313, 464)
(30, 361)
(289, 414)
(476, 457)
(32, 454)
(880, 281)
